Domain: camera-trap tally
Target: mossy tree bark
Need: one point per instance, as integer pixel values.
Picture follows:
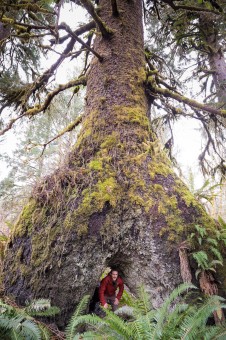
(116, 201)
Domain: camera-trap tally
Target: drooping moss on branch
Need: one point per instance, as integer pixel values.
(42, 107)
(191, 102)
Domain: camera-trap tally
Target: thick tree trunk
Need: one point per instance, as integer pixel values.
(117, 201)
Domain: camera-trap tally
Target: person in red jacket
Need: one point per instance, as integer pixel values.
(111, 289)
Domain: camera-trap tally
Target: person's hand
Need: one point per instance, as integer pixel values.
(116, 301)
(105, 305)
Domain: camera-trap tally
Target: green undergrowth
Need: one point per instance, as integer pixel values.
(20, 323)
(176, 318)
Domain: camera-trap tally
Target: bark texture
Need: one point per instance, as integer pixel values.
(116, 201)
(210, 33)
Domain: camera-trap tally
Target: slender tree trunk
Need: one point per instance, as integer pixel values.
(117, 201)
(217, 63)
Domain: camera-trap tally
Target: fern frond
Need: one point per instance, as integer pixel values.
(30, 330)
(142, 305)
(90, 336)
(215, 262)
(81, 308)
(174, 318)
(20, 328)
(172, 326)
(20, 325)
(10, 322)
(201, 258)
(201, 230)
(4, 307)
(212, 241)
(51, 311)
(143, 327)
(217, 253)
(215, 332)
(74, 319)
(45, 333)
(78, 320)
(184, 287)
(137, 329)
(12, 335)
(118, 325)
(39, 305)
(162, 312)
(220, 336)
(197, 321)
(127, 299)
(204, 185)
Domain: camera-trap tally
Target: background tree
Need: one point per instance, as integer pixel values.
(116, 200)
(219, 208)
(37, 153)
(192, 40)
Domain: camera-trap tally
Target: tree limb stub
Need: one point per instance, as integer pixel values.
(114, 7)
(105, 31)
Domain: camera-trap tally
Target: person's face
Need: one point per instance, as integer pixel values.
(114, 275)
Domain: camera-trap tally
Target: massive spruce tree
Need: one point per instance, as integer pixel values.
(117, 200)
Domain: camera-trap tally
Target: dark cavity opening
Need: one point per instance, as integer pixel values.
(118, 262)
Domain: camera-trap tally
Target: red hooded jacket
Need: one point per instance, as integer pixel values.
(108, 289)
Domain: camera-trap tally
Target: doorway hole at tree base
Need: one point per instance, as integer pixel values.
(117, 262)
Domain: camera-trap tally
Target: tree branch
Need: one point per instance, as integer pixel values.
(190, 8)
(17, 24)
(39, 108)
(78, 31)
(73, 35)
(21, 97)
(105, 31)
(69, 128)
(36, 109)
(48, 73)
(182, 99)
(29, 7)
